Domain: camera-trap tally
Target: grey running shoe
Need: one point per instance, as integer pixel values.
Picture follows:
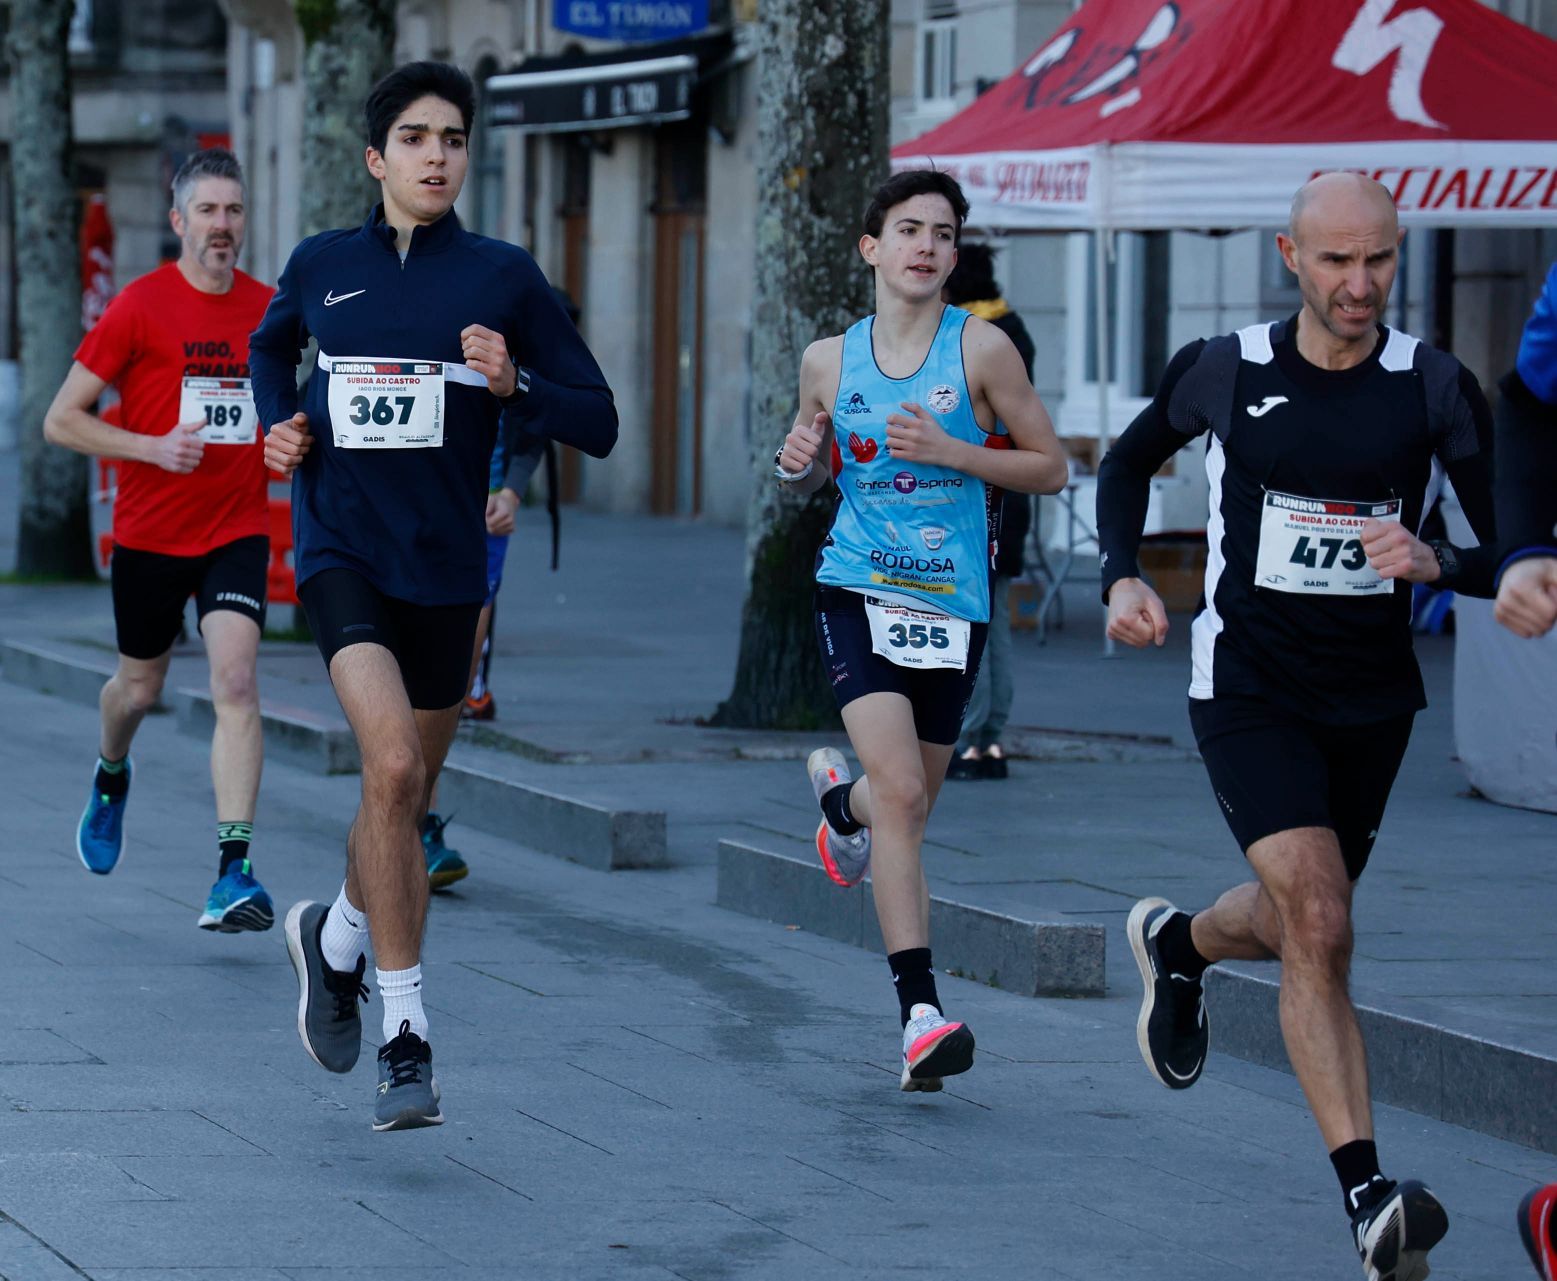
(328, 1019)
(1171, 1028)
(1395, 1232)
(407, 1094)
(844, 858)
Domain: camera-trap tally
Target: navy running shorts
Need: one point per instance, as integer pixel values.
(431, 643)
(1273, 771)
(939, 696)
(150, 590)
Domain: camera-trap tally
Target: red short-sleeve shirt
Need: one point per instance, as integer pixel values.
(157, 332)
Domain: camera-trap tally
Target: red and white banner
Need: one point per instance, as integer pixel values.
(1202, 113)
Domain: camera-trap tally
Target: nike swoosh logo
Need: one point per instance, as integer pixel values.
(331, 298)
(1269, 403)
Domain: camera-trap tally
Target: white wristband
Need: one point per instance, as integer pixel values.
(790, 477)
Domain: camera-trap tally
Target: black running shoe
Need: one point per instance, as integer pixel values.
(1394, 1232)
(407, 1095)
(1171, 1030)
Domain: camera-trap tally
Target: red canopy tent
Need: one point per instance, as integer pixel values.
(1141, 114)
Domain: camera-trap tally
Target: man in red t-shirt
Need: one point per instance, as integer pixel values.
(190, 518)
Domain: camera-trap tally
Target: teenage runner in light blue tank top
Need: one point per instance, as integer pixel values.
(922, 533)
(905, 407)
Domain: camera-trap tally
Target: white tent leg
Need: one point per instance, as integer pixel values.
(1100, 256)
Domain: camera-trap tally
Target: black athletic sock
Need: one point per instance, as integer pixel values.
(234, 839)
(914, 979)
(1357, 1167)
(112, 777)
(835, 809)
(1177, 945)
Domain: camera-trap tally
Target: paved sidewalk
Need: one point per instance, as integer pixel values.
(606, 665)
(637, 1084)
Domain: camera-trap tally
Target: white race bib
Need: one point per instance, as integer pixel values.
(226, 404)
(1314, 546)
(378, 403)
(911, 637)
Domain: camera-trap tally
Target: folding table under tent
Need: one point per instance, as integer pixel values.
(1141, 115)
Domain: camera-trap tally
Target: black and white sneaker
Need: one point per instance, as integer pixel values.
(1394, 1232)
(1171, 1029)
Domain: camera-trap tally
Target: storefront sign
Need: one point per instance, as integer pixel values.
(630, 19)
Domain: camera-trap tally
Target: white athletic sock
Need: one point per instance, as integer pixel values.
(401, 993)
(345, 934)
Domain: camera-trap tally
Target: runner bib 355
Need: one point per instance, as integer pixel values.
(923, 638)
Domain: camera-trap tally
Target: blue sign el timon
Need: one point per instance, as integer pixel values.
(630, 19)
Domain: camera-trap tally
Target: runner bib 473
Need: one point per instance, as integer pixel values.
(1314, 546)
(226, 404)
(923, 638)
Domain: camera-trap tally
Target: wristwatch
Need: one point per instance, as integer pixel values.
(788, 477)
(521, 386)
(1448, 559)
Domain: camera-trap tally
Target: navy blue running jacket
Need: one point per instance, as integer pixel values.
(413, 521)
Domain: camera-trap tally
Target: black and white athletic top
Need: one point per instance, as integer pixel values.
(1297, 457)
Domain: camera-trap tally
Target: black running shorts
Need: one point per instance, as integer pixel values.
(1273, 771)
(939, 697)
(150, 590)
(432, 643)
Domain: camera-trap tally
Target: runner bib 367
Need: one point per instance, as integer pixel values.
(382, 403)
(1314, 546)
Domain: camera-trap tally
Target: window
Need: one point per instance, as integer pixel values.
(937, 57)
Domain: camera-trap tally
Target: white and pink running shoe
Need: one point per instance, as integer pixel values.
(844, 858)
(933, 1048)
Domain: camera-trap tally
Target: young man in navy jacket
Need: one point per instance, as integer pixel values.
(426, 335)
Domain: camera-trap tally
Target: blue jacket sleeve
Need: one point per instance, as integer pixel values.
(1537, 363)
(275, 349)
(568, 399)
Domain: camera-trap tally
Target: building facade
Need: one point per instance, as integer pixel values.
(627, 166)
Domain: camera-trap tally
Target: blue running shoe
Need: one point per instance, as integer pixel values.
(100, 834)
(444, 866)
(238, 902)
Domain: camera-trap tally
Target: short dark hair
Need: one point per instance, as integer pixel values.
(908, 184)
(404, 85)
(973, 278)
(213, 162)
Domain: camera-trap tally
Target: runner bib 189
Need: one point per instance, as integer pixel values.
(1314, 546)
(923, 638)
(226, 404)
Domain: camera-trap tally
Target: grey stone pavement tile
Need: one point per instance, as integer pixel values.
(1454, 920)
(638, 1085)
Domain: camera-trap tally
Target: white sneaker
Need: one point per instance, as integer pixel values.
(933, 1048)
(844, 858)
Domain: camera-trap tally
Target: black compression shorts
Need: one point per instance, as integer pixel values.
(1273, 771)
(939, 697)
(150, 589)
(431, 643)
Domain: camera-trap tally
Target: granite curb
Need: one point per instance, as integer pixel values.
(1032, 958)
(593, 835)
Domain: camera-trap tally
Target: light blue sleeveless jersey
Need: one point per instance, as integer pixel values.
(909, 529)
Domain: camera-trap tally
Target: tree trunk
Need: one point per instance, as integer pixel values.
(824, 94)
(348, 46)
(54, 531)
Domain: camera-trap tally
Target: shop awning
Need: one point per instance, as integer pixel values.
(620, 88)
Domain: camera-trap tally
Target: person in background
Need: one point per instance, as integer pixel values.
(979, 754)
